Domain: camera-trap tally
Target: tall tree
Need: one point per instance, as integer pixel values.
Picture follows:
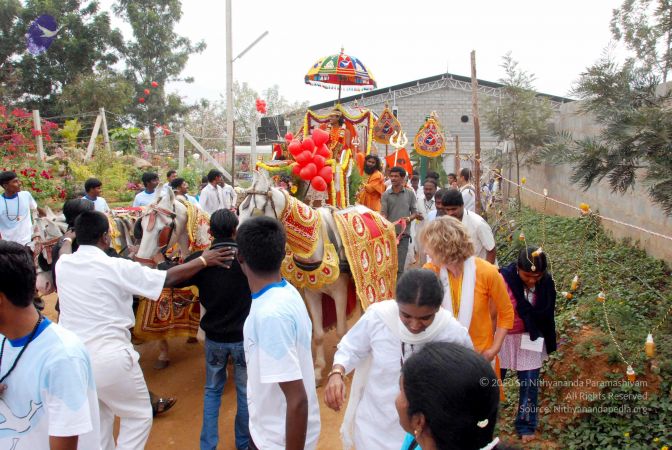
(85, 43)
(156, 54)
(244, 110)
(520, 117)
(645, 27)
(89, 92)
(207, 120)
(635, 144)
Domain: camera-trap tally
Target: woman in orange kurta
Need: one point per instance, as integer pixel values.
(372, 189)
(471, 284)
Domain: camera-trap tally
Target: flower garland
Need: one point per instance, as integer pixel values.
(340, 170)
(275, 169)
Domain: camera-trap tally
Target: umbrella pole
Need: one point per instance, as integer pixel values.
(339, 93)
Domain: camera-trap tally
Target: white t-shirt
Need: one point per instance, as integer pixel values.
(96, 296)
(50, 392)
(99, 204)
(144, 199)
(376, 421)
(278, 349)
(469, 197)
(480, 233)
(16, 224)
(213, 198)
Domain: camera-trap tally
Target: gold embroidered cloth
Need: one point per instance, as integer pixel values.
(176, 314)
(302, 227)
(370, 246)
(326, 273)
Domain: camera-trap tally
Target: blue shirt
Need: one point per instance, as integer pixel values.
(408, 441)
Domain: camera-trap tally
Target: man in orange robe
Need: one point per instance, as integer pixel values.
(372, 189)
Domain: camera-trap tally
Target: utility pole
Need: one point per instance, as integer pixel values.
(477, 132)
(229, 87)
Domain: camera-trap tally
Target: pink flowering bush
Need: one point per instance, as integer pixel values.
(41, 183)
(17, 135)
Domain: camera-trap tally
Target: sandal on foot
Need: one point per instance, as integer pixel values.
(162, 405)
(161, 364)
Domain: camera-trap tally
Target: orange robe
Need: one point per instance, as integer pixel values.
(372, 191)
(490, 286)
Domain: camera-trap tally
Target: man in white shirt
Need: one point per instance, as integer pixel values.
(96, 300)
(467, 189)
(426, 205)
(214, 196)
(283, 408)
(479, 230)
(93, 187)
(147, 197)
(16, 210)
(48, 391)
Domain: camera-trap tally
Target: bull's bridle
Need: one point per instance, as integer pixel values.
(268, 198)
(166, 233)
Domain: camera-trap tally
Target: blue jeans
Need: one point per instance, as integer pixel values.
(216, 358)
(526, 419)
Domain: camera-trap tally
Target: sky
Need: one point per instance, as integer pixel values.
(398, 40)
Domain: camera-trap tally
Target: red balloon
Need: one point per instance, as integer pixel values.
(320, 136)
(324, 151)
(308, 144)
(295, 148)
(146, 91)
(289, 137)
(319, 184)
(326, 173)
(308, 172)
(303, 158)
(141, 100)
(296, 169)
(319, 161)
(155, 84)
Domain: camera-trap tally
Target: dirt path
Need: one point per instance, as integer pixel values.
(180, 427)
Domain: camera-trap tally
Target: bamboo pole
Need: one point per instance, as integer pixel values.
(92, 140)
(37, 125)
(477, 132)
(106, 135)
(207, 155)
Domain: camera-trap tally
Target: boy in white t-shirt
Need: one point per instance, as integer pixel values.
(281, 395)
(16, 210)
(47, 391)
(93, 187)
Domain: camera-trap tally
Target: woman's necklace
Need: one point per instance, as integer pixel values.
(3, 386)
(17, 217)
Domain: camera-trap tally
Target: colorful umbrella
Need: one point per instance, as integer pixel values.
(340, 70)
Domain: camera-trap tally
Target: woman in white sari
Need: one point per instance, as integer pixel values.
(377, 346)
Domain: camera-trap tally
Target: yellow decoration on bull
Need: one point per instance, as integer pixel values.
(312, 276)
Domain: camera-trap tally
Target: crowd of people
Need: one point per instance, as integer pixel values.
(455, 314)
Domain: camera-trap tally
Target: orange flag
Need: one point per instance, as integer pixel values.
(400, 158)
